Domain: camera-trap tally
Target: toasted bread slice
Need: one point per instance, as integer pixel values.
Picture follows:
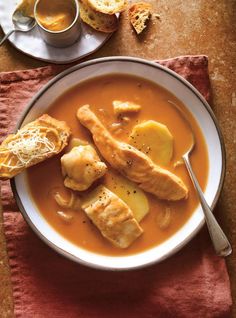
(139, 14)
(99, 21)
(107, 6)
(35, 142)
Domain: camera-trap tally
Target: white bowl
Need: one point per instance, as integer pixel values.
(196, 104)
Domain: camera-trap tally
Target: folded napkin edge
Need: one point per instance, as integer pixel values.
(45, 71)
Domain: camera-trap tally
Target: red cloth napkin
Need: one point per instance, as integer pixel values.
(193, 283)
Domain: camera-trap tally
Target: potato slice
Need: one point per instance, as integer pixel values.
(154, 139)
(130, 193)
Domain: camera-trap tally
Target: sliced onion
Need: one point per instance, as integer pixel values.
(115, 126)
(73, 203)
(125, 119)
(64, 216)
(178, 163)
(61, 201)
(164, 218)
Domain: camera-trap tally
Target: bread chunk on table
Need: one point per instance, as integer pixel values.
(139, 14)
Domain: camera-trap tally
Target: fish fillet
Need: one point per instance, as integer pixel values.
(112, 216)
(131, 162)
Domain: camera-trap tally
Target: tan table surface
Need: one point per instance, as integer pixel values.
(185, 27)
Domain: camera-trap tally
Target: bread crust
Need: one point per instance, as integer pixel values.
(107, 6)
(139, 14)
(99, 21)
(50, 130)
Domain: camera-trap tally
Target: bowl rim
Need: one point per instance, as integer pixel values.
(72, 69)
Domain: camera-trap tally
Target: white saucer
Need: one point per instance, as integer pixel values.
(33, 45)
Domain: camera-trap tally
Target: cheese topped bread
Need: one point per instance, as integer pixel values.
(35, 142)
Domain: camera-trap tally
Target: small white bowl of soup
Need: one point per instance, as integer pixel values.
(155, 88)
(58, 21)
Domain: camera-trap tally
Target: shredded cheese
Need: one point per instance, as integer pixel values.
(28, 146)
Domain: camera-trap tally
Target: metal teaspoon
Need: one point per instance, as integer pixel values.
(220, 242)
(21, 24)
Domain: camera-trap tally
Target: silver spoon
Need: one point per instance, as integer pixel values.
(21, 23)
(220, 242)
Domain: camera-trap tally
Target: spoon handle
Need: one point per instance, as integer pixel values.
(220, 242)
(6, 36)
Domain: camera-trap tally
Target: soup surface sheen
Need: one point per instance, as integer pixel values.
(55, 15)
(46, 178)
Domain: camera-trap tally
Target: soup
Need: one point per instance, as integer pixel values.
(156, 104)
(55, 15)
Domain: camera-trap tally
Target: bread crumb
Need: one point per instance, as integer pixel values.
(139, 14)
(157, 16)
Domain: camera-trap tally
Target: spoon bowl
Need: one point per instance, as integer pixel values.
(21, 23)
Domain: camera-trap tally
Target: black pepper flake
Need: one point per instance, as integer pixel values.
(135, 191)
(128, 192)
(129, 162)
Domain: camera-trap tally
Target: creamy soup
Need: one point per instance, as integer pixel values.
(156, 104)
(55, 15)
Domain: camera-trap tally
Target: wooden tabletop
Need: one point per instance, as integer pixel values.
(184, 27)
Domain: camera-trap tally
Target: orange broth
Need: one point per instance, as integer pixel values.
(46, 178)
(55, 15)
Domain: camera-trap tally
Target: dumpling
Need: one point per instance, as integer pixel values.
(81, 167)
